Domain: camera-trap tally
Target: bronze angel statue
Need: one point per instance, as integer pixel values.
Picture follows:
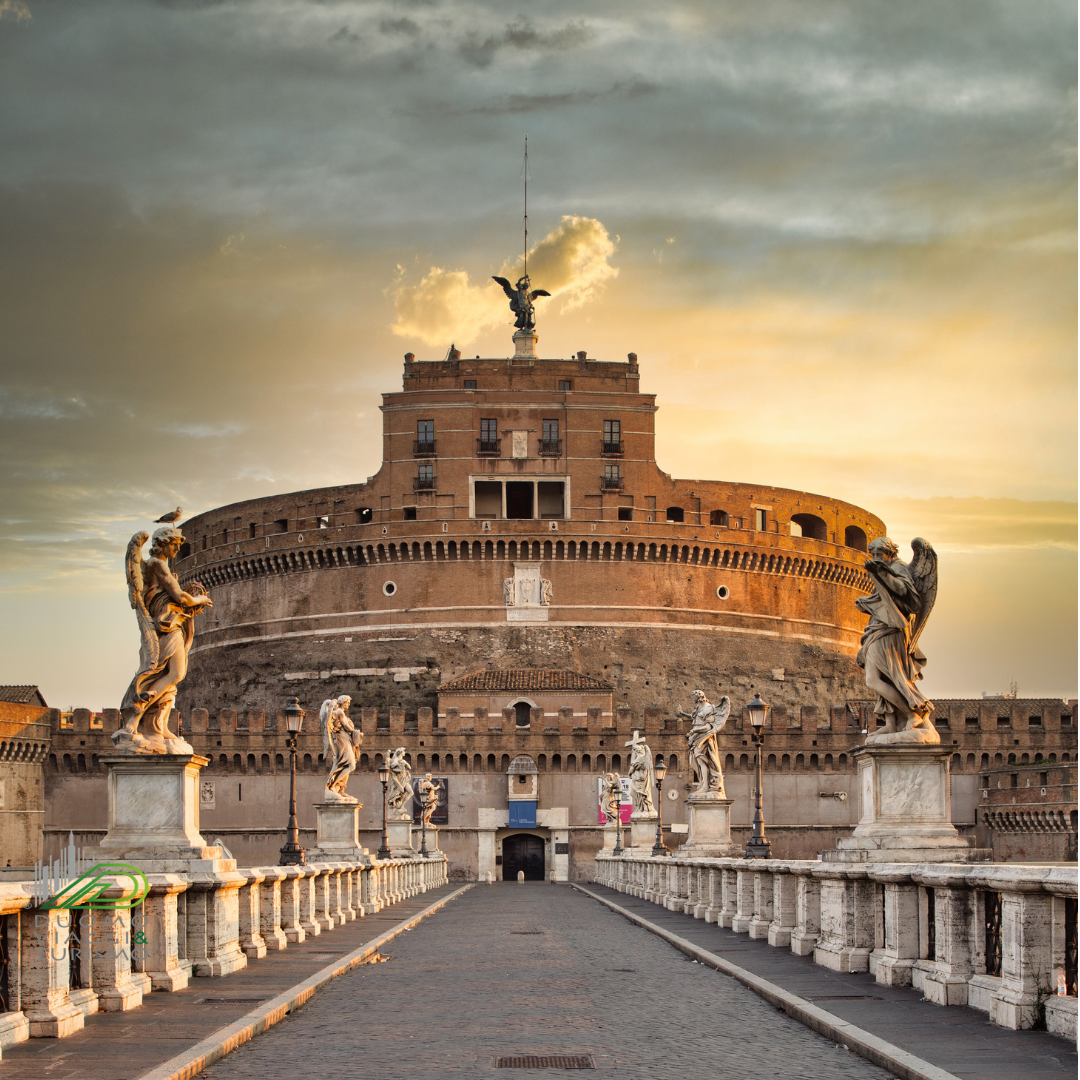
(165, 614)
(898, 607)
(521, 301)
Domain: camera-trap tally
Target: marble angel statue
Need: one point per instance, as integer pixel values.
(400, 792)
(340, 740)
(899, 606)
(428, 792)
(611, 801)
(707, 720)
(166, 614)
(641, 778)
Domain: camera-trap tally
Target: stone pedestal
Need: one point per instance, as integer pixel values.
(525, 342)
(710, 828)
(154, 815)
(904, 809)
(643, 831)
(399, 837)
(337, 837)
(610, 833)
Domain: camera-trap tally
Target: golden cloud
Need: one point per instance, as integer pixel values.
(571, 262)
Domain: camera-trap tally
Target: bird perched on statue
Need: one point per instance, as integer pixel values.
(170, 517)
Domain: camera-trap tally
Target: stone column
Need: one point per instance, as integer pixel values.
(804, 937)
(274, 879)
(758, 927)
(847, 920)
(291, 924)
(45, 975)
(891, 962)
(744, 896)
(213, 924)
(1026, 955)
(162, 963)
(784, 906)
(249, 905)
(117, 988)
(308, 904)
(729, 897)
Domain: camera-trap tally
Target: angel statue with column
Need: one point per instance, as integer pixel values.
(899, 606)
(340, 740)
(400, 791)
(166, 616)
(707, 720)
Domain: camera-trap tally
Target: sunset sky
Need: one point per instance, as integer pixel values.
(841, 238)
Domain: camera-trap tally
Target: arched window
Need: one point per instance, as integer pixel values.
(1024, 759)
(223, 762)
(998, 759)
(307, 760)
(810, 526)
(601, 763)
(744, 762)
(729, 761)
(505, 764)
(420, 763)
(463, 763)
(854, 537)
(265, 766)
(800, 761)
(813, 761)
(251, 762)
(954, 763)
(984, 761)
(238, 762)
(586, 763)
(785, 761)
(556, 763)
(571, 763)
(842, 760)
(616, 762)
(279, 761)
(673, 763)
(828, 761)
(718, 517)
(408, 760)
(770, 762)
(1012, 759)
(521, 713)
(675, 513)
(477, 763)
(541, 763)
(491, 762)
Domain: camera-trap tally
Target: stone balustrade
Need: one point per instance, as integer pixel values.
(64, 965)
(997, 937)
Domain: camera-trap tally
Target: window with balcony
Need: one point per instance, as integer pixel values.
(488, 443)
(425, 478)
(612, 479)
(425, 438)
(612, 437)
(549, 439)
(519, 498)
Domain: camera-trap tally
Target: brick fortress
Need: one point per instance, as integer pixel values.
(515, 591)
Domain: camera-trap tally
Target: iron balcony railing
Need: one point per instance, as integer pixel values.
(489, 446)
(423, 483)
(611, 483)
(551, 447)
(423, 447)
(611, 449)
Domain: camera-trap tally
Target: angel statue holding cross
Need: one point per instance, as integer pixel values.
(641, 777)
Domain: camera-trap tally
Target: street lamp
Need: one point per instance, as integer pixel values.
(661, 771)
(757, 847)
(292, 854)
(423, 827)
(618, 822)
(384, 852)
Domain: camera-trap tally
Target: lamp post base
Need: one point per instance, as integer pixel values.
(292, 855)
(757, 847)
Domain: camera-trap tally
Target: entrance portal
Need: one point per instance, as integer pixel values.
(523, 852)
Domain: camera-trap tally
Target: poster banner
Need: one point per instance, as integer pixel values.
(626, 807)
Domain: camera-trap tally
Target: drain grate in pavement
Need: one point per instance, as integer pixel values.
(526, 932)
(546, 1061)
(231, 1001)
(843, 997)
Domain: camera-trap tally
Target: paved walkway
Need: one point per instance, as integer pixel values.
(122, 1046)
(511, 970)
(961, 1041)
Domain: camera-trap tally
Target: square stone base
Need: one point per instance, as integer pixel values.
(337, 830)
(399, 837)
(710, 828)
(643, 832)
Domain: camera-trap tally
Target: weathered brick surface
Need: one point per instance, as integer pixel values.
(478, 982)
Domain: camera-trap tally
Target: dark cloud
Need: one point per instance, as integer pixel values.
(524, 37)
(406, 27)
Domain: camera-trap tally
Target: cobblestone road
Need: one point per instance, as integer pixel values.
(512, 969)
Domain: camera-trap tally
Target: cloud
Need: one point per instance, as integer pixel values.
(571, 262)
(524, 37)
(14, 9)
(523, 103)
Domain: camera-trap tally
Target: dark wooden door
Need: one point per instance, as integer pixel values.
(523, 852)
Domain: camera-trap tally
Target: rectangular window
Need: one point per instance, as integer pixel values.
(425, 478)
(1034, 721)
(487, 497)
(1004, 722)
(425, 472)
(425, 430)
(551, 430)
(470, 384)
(626, 513)
(759, 520)
(550, 498)
(224, 536)
(564, 386)
(519, 499)
(611, 472)
(251, 531)
(489, 430)
(408, 513)
(612, 437)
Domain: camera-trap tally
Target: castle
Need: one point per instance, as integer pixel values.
(516, 591)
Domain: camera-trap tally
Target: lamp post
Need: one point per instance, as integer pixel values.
(292, 854)
(423, 828)
(618, 821)
(661, 771)
(757, 847)
(384, 852)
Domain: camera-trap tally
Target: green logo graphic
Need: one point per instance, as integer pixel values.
(87, 890)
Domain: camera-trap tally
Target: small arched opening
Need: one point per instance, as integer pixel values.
(809, 526)
(854, 537)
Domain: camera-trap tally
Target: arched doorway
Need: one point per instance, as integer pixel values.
(523, 851)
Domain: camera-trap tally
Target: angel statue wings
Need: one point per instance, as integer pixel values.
(400, 792)
(165, 613)
(612, 799)
(521, 301)
(340, 740)
(898, 607)
(707, 720)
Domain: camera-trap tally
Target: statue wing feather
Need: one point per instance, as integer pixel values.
(924, 571)
(325, 712)
(723, 710)
(538, 292)
(507, 287)
(133, 567)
